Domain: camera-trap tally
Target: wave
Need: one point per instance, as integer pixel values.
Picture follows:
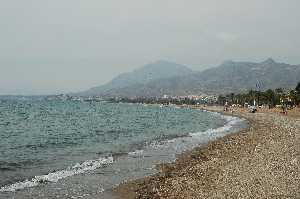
(173, 142)
(79, 168)
(191, 140)
(136, 153)
(230, 123)
(12, 166)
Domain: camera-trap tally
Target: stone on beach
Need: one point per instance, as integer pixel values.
(261, 161)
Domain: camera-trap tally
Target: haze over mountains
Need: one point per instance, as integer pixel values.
(162, 77)
(157, 70)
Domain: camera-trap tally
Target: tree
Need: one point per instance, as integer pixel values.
(279, 91)
(293, 97)
(297, 97)
(221, 100)
(271, 97)
(298, 88)
(232, 98)
(251, 96)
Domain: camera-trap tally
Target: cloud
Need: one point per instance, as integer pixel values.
(70, 45)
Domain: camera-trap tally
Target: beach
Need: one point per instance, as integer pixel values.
(84, 149)
(261, 161)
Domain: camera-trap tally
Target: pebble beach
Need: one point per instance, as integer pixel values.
(261, 161)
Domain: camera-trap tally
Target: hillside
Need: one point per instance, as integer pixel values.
(148, 73)
(228, 77)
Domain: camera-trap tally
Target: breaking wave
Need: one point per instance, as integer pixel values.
(79, 168)
(231, 122)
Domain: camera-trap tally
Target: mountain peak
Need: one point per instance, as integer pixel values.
(227, 63)
(175, 79)
(160, 69)
(162, 61)
(164, 66)
(269, 61)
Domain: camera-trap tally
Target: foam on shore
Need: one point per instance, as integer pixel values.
(79, 168)
(177, 145)
(180, 144)
(230, 123)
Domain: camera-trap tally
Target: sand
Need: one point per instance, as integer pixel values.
(262, 161)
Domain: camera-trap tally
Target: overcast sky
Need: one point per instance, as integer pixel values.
(53, 46)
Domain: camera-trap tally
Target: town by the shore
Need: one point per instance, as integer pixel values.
(262, 161)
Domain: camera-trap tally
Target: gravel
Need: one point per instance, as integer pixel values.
(262, 161)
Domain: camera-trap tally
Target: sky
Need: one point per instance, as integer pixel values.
(58, 46)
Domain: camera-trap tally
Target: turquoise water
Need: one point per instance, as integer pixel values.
(44, 142)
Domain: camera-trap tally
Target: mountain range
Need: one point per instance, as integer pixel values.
(163, 77)
(157, 70)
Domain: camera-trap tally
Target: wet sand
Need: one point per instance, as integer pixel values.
(262, 161)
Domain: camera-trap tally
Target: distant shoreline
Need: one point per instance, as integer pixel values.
(249, 163)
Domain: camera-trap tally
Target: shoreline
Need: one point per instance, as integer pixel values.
(230, 165)
(34, 181)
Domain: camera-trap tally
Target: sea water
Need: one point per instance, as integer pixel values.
(75, 149)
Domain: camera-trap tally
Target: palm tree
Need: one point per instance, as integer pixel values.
(271, 97)
(232, 98)
(293, 97)
(298, 88)
(221, 100)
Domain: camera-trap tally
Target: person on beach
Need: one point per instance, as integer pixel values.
(226, 107)
(285, 109)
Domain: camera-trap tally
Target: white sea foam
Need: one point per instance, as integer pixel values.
(136, 153)
(79, 168)
(192, 140)
(230, 123)
(90, 165)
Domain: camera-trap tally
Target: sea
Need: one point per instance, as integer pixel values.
(78, 149)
